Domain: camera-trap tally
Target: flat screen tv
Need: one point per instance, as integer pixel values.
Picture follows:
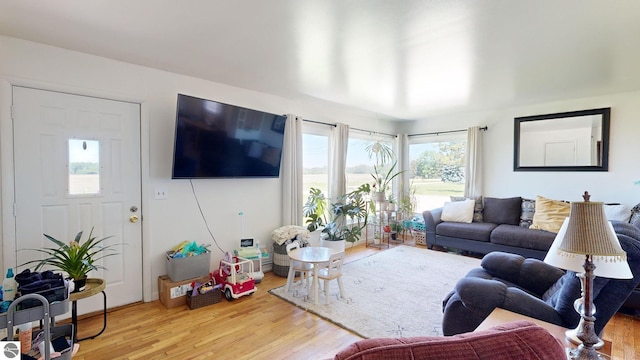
(216, 140)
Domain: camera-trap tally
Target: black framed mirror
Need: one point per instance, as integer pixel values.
(569, 141)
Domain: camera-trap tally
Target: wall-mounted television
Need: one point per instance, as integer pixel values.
(217, 140)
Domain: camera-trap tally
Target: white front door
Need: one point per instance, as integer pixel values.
(77, 167)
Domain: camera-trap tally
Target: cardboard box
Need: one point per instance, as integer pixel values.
(174, 293)
(187, 267)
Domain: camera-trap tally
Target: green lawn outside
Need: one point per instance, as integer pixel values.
(424, 187)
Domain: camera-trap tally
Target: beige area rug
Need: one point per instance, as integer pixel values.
(395, 293)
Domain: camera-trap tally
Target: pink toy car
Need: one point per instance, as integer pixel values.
(235, 276)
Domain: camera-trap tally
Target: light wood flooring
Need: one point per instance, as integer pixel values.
(260, 326)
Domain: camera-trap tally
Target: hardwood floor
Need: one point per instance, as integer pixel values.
(260, 326)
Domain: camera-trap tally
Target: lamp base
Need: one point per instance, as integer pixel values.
(572, 335)
(582, 353)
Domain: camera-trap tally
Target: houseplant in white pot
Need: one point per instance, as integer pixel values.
(348, 217)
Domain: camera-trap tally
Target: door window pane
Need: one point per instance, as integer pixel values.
(84, 167)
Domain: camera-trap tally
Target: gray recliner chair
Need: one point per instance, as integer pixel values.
(533, 288)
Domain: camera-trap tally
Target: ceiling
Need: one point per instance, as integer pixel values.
(409, 59)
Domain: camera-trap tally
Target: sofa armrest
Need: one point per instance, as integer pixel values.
(483, 296)
(532, 275)
(524, 338)
(431, 219)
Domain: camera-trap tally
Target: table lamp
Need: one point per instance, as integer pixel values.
(587, 243)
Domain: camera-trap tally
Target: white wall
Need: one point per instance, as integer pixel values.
(500, 180)
(165, 222)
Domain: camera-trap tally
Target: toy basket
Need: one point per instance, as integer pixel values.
(419, 226)
(202, 300)
(420, 237)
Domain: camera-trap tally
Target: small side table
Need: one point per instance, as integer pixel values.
(92, 287)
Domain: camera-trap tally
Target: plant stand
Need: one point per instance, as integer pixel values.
(92, 287)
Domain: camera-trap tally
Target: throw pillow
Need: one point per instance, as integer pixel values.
(550, 214)
(502, 211)
(458, 211)
(477, 209)
(528, 209)
(617, 212)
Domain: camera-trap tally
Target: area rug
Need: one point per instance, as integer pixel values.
(394, 293)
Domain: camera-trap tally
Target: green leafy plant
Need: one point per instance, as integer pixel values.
(315, 210)
(348, 214)
(383, 179)
(381, 151)
(76, 258)
(407, 202)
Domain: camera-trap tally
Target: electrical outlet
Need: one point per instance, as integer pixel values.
(161, 194)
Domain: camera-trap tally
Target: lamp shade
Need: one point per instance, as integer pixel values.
(587, 232)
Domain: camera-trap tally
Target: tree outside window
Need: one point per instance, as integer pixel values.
(436, 171)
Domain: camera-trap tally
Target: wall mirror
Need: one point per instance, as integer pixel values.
(570, 141)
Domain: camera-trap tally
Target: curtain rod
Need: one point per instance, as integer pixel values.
(484, 128)
(356, 129)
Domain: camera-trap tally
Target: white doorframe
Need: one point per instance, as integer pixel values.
(7, 186)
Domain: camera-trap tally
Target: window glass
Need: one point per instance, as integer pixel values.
(359, 166)
(436, 168)
(315, 162)
(84, 167)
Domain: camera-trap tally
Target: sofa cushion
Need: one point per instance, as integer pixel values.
(550, 214)
(513, 235)
(502, 211)
(477, 209)
(458, 211)
(472, 231)
(514, 340)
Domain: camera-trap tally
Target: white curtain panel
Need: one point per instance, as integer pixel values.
(291, 171)
(473, 163)
(402, 144)
(338, 161)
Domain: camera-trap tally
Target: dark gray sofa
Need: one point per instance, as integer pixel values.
(505, 228)
(502, 229)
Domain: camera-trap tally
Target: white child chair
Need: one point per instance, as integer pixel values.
(332, 270)
(304, 269)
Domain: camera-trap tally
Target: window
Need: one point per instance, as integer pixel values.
(84, 167)
(315, 158)
(436, 167)
(360, 165)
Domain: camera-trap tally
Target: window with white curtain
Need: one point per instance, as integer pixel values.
(436, 168)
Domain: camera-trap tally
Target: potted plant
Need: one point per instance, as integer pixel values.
(382, 177)
(76, 258)
(314, 210)
(348, 215)
(396, 228)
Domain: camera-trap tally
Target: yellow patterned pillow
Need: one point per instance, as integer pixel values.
(549, 214)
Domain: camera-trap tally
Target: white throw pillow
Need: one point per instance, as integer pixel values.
(617, 212)
(458, 211)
